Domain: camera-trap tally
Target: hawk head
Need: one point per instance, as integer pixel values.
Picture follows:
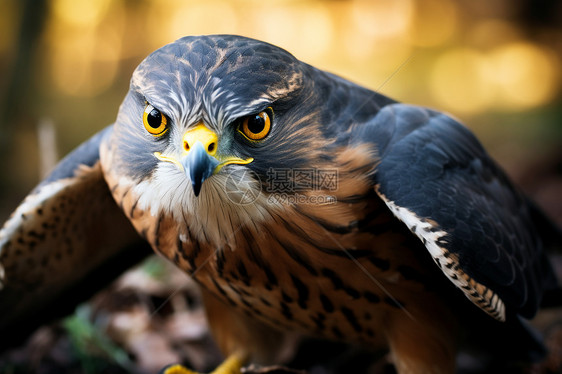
(205, 111)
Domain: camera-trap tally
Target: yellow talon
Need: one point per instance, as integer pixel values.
(176, 369)
(231, 365)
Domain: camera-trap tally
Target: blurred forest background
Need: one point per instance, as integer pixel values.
(65, 66)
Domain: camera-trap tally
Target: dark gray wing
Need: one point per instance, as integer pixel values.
(65, 241)
(435, 176)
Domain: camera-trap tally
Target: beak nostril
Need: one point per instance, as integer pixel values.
(202, 137)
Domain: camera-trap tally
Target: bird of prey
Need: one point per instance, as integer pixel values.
(302, 204)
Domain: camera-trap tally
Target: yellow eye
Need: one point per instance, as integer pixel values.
(154, 121)
(256, 126)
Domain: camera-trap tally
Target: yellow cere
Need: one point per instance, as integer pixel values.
(201, 133)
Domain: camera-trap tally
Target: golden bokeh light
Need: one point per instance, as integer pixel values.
(466, 65)
(524, 74)
(84, 62)
(459, 80)
(374, 43)
(377, 68)
(275, 23)
(385, 52)
(513, 76)
(306, 31)
(85, 13)
(169, 20)
(382, 18)
(85, 66)
(492, 32)
(435, 22)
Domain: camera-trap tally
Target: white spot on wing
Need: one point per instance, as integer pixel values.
(429, 233)
(27, 209)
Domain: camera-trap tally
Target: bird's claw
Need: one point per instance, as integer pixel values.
(231, 365)
(176, 369)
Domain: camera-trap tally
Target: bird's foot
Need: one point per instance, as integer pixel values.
(176, 369)
(231, 365)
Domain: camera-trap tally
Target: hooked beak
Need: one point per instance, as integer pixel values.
(199, 165)
(200, 160)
